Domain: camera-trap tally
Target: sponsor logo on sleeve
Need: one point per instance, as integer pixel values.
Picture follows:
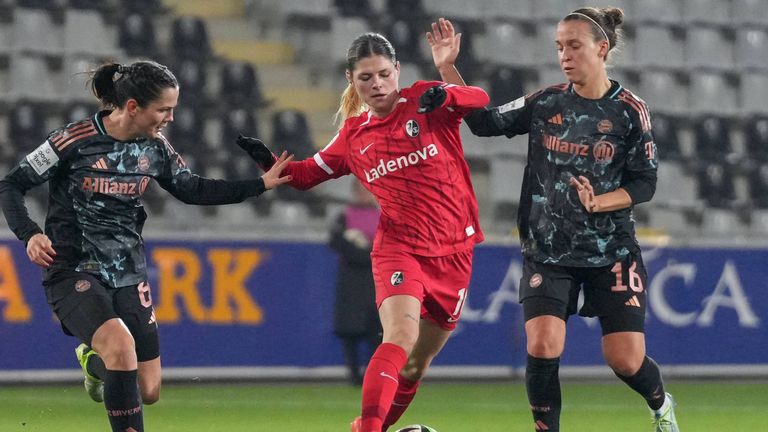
(42, 158)
(510, 106)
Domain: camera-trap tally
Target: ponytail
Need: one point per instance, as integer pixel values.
(351, 105)
(103, 84)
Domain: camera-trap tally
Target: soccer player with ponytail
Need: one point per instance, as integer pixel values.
(591, 158)
(92, 250)
(404, 146)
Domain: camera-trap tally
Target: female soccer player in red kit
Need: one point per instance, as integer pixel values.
(404, 146)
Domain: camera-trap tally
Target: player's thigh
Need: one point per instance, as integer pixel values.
(446, 287)
(399, 316)
(133, 304)
(81, 303)
(616, 294)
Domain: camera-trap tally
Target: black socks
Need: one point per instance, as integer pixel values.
(647, 381)
(542, 382)
(121, 398)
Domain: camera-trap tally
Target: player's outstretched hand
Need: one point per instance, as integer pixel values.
(444, 42)
(272, 178)
(40, 250)
(432, 99)
(257, 151)
(586, 192)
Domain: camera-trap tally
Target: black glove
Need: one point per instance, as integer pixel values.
(257, 151)
(431, 99)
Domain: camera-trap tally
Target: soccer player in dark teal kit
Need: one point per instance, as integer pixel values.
(591, 157)
(92, 250)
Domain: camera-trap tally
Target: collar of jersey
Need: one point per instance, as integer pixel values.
(610, 94)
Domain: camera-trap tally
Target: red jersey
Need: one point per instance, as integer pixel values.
(414, 165)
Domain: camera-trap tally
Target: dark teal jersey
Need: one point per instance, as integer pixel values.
(95, 216)
(607, 140)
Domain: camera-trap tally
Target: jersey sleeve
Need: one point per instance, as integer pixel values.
(36, 168)
(190, 188)
(639, 179)
(510, 119)
(328, 163)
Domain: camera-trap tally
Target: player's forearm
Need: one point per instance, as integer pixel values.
(612, 201)
(451, 75)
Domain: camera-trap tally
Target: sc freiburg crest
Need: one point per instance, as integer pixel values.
(412, 128)
(397, 278)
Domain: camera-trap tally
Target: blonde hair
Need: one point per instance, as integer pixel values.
(350, 105)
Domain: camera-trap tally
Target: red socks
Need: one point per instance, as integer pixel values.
(405, 393)
(380, 384)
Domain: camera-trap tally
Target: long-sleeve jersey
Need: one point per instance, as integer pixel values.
(414, 165)
(95, 217)
(606, 140)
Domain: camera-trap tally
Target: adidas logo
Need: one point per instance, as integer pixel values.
(633, 302)
(100, 164)
(556, 119)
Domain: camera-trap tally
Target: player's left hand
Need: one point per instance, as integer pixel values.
(586, 193)
(444, 42)
(257, 151)
(432, 99)
(272, 178)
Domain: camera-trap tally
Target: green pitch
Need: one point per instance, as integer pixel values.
(702, 407)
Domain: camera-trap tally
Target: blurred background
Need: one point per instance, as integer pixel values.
(246, 291)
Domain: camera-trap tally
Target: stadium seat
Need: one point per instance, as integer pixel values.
(754, 92)
(758, 186)
(706, 12)
(136, 36)
(552, 10)
(708, 47)
(506, 179)
(343, 32)
(658, 46)
(671, 220)
(752, 48)
(505, 84)
(712, 140)
(720, 222)
(508, 10)
(405, 9)
(658, 12)
(26, 37)
(186, 132)
(667, 138)
(507, 43)
(407, 36)
(674, 188)
(193, 79)
(663, 91)
(715, 185)
(409, 73)
(550, 76)
(353, 8)
(712, 93)
(544, 51)
(86, 33)
(189, 39)
(30, 78)
(26, 126)
(240, 85)
(455, 9)
(74, 77)
(750, 12)
(756, 137)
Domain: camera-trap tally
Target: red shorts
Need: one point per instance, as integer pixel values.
(440, 283)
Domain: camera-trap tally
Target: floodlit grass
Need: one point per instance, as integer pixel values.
(448, 407)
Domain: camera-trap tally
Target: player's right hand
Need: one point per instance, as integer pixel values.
(272, 177)
(257, 151)
(40, 250)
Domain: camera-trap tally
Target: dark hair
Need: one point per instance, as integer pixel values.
(608, 19)
(142, 81)
(364, 46)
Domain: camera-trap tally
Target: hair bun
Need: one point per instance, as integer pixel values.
(613, 15)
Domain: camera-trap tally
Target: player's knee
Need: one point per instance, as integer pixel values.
(151, 395)
(544, 348)
(625, 366)
(404, 338)
(120, 353)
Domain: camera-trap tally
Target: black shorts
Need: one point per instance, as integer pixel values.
(83, 303)
(614, 293)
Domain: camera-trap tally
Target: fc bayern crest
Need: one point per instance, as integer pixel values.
(397, 278)
(412, 128)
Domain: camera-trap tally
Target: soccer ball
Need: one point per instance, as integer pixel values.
(416, 428)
